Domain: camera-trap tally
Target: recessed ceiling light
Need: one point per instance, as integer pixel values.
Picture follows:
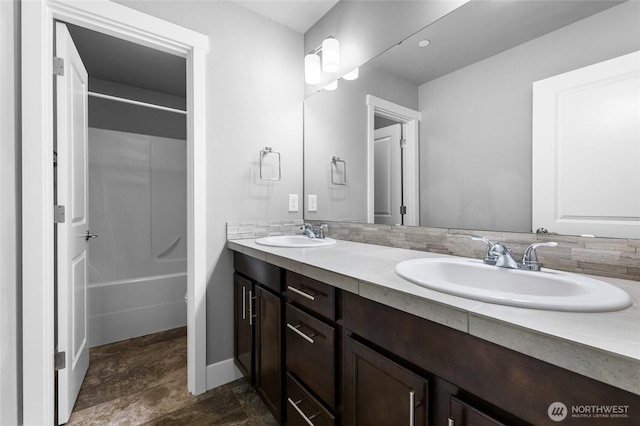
(424, 43)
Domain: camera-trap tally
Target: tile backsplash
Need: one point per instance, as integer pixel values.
(265, 228)
(610, 257)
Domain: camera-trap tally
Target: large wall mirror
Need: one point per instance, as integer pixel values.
(468, 78)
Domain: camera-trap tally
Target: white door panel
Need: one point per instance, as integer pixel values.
(72, 244)
(387, 175)
(586, 150)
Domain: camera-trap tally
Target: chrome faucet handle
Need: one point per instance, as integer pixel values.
(481, 238)
(321, 229)
(530, 256)
(488, 258)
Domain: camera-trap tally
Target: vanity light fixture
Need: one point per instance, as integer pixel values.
(330, 55)
(330, 49)
(352, 75)
(312, 70)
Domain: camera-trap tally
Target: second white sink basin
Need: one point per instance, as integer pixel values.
(547, 289)
(295, 241)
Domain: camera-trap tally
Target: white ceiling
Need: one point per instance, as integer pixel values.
(112, 59)
(299, 15)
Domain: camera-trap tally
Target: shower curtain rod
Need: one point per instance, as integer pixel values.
(131, 101)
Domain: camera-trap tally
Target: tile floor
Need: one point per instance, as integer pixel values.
(143, 381)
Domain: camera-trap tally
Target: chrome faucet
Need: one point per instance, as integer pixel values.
(499, 255)
(314, 232)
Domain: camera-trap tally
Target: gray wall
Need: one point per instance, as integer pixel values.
(10, 223)
(366, 28)
(475, 135)
(254, 98)
(335, 123)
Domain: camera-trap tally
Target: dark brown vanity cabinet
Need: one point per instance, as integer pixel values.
(378, 391)
(311, 355)
(320, 356)
(472, 382)
(259, 313)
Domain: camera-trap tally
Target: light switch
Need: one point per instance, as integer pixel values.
(313, 203)
(293, 202)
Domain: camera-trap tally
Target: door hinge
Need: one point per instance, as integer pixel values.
(403, 209)
(58, 66)
(60, 360)
(403, 143)
(55, 159)
(58, 214)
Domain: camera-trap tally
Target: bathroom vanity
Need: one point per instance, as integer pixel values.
(333, 336)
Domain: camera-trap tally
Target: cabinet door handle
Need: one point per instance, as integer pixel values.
(412, 408)
(302, 293)
(244, 302)
(451, 422)
(300, 333)
(307, 419)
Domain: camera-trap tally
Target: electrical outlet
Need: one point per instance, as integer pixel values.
(293, 202)
(313, 203)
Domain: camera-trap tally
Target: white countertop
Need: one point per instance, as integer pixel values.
(603, 346)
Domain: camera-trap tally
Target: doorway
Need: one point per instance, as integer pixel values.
(402, 173)
(37, 181)
(133, 195)
(137, 204)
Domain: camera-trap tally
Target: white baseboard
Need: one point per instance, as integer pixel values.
(222, 373)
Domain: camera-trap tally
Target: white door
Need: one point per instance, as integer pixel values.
(586, 150)
(387, 175)
(72, 235)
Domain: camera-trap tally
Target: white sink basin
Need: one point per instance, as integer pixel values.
(547, 289)
(295, 241)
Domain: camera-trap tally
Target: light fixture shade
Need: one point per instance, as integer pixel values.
(331, 86)
(352, 75)
(330, 55)
(312, 71)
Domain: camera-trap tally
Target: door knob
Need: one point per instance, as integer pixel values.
(90, 235)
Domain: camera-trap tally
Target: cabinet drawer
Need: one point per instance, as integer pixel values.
(312, 294)
(310, 353)
(258, 270)
(303, 409)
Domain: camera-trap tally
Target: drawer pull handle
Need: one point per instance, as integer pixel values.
(304, 416)
(451, 422)
(412, 408)
(300, 333)
(302, 293)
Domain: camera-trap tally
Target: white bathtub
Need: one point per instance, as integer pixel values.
(129, 308)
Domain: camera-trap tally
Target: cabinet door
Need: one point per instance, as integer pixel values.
(462, 414)
(378, 391)
(269, 365)
(243, 325)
